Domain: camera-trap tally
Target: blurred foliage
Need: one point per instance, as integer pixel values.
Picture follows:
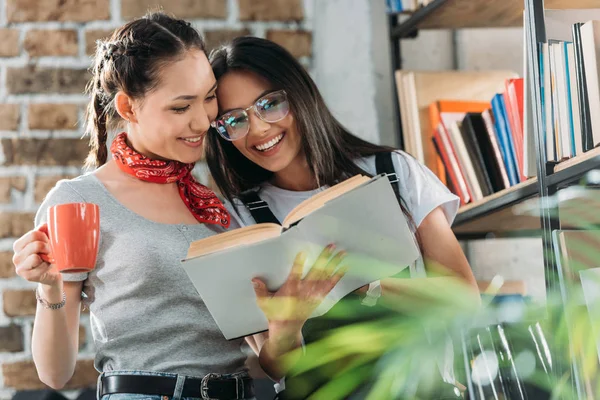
(502, 347)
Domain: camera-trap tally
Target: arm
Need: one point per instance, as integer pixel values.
(55, 340)
(441, 248)
(283, 340)
(442, 254)
(55, 332)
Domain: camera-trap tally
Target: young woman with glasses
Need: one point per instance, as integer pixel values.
(276, 142)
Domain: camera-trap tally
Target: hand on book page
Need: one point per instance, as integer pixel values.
(295, 301)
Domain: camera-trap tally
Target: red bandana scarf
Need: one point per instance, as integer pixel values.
(202, 202)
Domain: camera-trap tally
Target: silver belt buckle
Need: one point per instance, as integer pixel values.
(204, 385)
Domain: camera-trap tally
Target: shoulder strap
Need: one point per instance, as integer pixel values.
(258, 208)
(384, 165)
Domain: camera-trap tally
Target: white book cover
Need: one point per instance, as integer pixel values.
(366, 222)
(573, 88)
(403, 102)
(562, 111)
(590, 39)
(417, 139)
(454, 163)
(548, 108)
(529, 146)
(452, 121)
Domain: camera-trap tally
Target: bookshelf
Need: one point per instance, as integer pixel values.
(495, 213)
(589, 158)
(488, 215)
(572, 171)
(458, 14)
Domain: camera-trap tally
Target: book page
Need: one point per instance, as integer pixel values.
(224, 280)
(318, 200)
(377, 238)
(366, 222)
(237, 237)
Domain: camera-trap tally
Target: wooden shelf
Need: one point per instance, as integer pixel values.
(457, 14)
(497, 195)
(494, 213)
(572, 170)
(577, 160)
(576, 206)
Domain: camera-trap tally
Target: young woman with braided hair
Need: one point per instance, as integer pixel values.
(153, 335)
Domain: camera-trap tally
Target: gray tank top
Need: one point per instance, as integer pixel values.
(145, 314)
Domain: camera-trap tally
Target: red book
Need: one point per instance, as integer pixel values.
(513, 97)
(457, 179)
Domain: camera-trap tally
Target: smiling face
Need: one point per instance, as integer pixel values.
(272, 145)
(172, 120)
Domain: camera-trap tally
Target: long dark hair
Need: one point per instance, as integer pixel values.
(130, 61)
(330, 149)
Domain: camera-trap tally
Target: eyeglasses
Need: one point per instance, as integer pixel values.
(235, 124)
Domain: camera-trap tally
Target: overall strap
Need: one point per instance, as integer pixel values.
(258, 208)
(384, 165)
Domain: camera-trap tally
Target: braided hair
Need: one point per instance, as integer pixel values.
(130, 61)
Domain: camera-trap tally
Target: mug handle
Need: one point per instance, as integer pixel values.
(46, 257)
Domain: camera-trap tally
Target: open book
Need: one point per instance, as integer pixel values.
(360, 215)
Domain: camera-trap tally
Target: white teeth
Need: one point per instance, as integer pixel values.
(194, 140)
(269, 144)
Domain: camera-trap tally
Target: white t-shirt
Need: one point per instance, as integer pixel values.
(420, 189)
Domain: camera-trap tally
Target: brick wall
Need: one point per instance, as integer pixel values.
(44, 56)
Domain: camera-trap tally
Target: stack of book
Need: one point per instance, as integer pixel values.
(471, 128)
(570, 92)
(467, 127)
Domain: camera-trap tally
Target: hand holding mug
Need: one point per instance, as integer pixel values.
(28, 261)
(68, 243)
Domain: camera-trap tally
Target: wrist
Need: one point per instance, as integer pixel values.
(51, 293)
(285, 329)
(284, 337)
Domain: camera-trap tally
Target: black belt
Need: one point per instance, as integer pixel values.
(212, 386)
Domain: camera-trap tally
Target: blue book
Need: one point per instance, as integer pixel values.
(507, 148)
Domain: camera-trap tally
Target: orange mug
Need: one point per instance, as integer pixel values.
(74, 233)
